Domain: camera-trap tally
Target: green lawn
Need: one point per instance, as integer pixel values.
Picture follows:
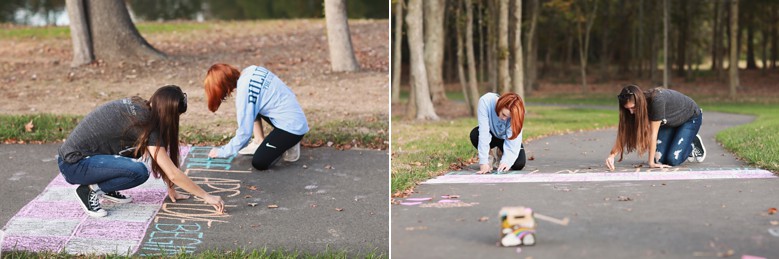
(422, 150)
(756, 142)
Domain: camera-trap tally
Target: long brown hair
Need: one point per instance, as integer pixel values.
(221, 80)
(633, 131)
(166, 105)
(516, 107)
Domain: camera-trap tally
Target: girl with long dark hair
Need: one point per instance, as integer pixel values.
(661, 122)
(101, 154)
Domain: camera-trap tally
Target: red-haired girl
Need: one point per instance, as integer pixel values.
(500, 125)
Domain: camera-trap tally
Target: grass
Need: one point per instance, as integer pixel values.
(238, 253)
(368, 133)
(756, 142)
(64, 31)
(47, 127)
(422, 150)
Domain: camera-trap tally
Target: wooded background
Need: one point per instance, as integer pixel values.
(508, 45)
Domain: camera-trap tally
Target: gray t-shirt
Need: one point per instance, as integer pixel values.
(671, 108)
(107, 131)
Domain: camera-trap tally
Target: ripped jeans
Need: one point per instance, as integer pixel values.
(674, 144)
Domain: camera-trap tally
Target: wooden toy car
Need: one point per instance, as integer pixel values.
(518, 226)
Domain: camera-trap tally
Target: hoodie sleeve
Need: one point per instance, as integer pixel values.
(484, 132)
(245, 114)
(511, 149)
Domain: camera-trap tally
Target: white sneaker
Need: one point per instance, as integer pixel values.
(249, 149)
(292, 154)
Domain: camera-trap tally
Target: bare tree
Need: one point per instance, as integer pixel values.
(102, 29)
(518, 80)
(666, 28)
(79, 33)
(338, 37)
(734, 82)
(586, 20)
(434, 47)
(396, 54)
(459, 24)
(414, 22)
(504, 79)
(531, 69)
(472, 80)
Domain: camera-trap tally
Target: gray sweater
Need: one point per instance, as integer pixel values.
(107, 130)
(671, 108)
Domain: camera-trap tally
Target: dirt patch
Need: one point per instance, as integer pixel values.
(35, 74)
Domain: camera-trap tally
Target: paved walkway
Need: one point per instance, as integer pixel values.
(710, 209)
(327, 200)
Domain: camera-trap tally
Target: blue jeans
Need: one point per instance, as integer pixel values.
(109, 172)
(674, 143)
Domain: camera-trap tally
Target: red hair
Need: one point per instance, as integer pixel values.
(516, 107)
(221, 80)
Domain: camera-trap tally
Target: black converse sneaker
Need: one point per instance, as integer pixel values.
(90, 201)
(698, 153)
(117, 197)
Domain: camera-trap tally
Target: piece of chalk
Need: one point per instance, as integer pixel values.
(448, 201)
(410, 203)
(419, 199)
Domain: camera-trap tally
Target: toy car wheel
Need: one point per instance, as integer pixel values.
(529, 240)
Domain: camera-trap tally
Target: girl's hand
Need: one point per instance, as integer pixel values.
(658, 165)
(214, 153)
(484, 168)
(174, 195)
(503, 167)
(216, 201)
(610, 162)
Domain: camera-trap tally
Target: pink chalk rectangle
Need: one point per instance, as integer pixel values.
(59, 181)
(114, 230)
(34, 243)
(146, 196)
(52, 210)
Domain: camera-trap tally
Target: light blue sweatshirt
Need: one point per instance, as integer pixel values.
(489, 122)
(260, 92)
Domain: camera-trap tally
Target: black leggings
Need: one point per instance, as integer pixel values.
(496, 142)
(273, 146)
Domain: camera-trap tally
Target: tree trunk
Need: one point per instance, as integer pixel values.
(79, 33)
(681, 40)
(114, 36)
(715, 39)
(751, 63)
(338, 37)
(459, 24)
(434, 47)
(774, 36)
(531, 69)
(482, 56)
(584, 39)
(504, 80)
(396, 54)
(764, 55)
(414, 22)
(473, 83)
(666, 28)
(734, 82)
(492, 43)
(518, 78)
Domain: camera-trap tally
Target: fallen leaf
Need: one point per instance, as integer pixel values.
(624, 198)
(339, 209)
(28, 127)
(247, 196)
(252, 187)
(772, 211)
(256, 225)
(305, 167)
(532, 158)
(329, 167)
(483, 219)
(313, 205)
(252, 204)
(273, 206)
